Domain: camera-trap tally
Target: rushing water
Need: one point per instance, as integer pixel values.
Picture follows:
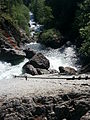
(65, 56)
(34, 27)
(7, 70)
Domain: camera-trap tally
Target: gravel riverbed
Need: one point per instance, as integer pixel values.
(45, 99)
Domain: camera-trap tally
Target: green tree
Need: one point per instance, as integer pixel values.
(82, 24)
(16, 12)
(43, 13)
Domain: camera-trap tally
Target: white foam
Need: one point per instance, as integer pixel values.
(57, 57)
(7, 70)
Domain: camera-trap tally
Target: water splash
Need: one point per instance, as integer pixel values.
(7, 70)
(65, 56)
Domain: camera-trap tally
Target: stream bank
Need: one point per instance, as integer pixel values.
(45, 99)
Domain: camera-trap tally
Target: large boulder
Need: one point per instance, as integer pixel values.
(40, 61)
(27, 68)
(11, 55)
(67, 70)
(29, 53)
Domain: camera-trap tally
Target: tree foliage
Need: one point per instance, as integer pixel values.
(17, 12)
(42, 12)
(82, 21)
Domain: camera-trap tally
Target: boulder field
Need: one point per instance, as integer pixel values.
(71, 106)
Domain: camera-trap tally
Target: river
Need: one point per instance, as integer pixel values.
(65, 56)
(58, 57)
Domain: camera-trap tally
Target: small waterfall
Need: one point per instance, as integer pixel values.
(34, 27)
(65, 56)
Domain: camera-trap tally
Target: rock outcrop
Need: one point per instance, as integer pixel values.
(37, 65)
(30, 69)
(40, 61)
(10, 39)
(71, 106)
(11, 55)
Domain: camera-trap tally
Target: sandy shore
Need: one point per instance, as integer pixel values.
(18, 87)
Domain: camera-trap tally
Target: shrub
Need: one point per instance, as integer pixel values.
(20, 16)
(48, 36)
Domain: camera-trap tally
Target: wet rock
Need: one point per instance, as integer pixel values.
(61, 69)
(29, 53)
(42, 71)
(11, 55)
(27, 68)
(52, 71)
(67, 70)
(40, 61)
(70, 71)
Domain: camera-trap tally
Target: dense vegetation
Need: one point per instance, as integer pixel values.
(82, 24)
(61, 19)
(71, 18)
(42, 12)
(16, 12)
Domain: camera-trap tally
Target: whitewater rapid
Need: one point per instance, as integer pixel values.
(7, 70)
(65, 56)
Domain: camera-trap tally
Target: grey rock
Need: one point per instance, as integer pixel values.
(42, 71)
(67, 70)
(27, 68)
(40, 61)
(11, 55)
(29, 53)
(52, 71)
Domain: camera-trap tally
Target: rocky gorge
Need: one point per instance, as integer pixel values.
(40, 98)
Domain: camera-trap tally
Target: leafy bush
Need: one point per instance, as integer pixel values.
(49, 36)
(20, 16)
(43, 13)
(82, 23)
(85, 34)
(16, 12)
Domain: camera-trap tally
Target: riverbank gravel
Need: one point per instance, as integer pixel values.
(19, 86)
